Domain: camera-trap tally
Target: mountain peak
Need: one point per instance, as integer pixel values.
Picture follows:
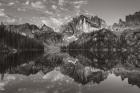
(46, 28)
(83, 23)
(131, 22)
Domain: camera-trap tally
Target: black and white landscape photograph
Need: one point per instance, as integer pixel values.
(69, 46)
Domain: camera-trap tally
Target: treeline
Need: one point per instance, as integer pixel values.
(50, 37)
(107, 40)
(18, 41)
(95, 40)
(28, 62)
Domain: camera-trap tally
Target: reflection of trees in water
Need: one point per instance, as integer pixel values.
(131, 58)
(28, 63)
(48, 63)
(134, 80)
(132, 76)
(10, 63)
(90, 66)
(104, 60)
(83, 74)
(130, 39)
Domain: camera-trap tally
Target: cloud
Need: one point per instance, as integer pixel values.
(80, 2)
(11, 3)
(53, 12)
(0, 4)
(38, 4)
(56, 21)
(53, 22)
(21, 9)
(61, 2)
(49, 12)
(27, 2)
(45, 22)
(44, 0)
(77, 6)
(2, 14)
(54, 6)
(11, 20)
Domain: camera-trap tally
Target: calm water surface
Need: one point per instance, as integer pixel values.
(72, 72)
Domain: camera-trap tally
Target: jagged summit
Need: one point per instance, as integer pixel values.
(46, 28)
(130, 22)
(82, 23)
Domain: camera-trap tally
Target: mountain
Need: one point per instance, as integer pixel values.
(131, 22)
(95, 40)
(13, 41)
(24, 29)
(47, 29)
(133, 19)
(81, 24)
(44, 34)
(82, 32)
(48, 35)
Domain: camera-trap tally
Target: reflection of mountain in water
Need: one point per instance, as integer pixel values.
(83, 74)
(10, 63)
(83, 66)
(99, 59)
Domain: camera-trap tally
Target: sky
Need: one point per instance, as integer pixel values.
(54, 13)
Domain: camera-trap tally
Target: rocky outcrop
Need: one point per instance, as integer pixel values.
(133, 19)
(131, 22)
(47, 29)
(82, 24)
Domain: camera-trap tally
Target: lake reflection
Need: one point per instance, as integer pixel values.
(70, 72)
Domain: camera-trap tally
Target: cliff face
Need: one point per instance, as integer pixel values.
(131, 22)
(81, 24)
(133, 19)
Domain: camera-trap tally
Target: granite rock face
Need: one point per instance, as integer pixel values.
(83, 24)
(131, 22)
(133, 19)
